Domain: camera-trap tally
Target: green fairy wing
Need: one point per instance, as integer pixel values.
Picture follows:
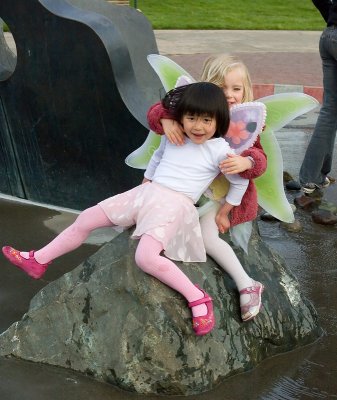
(140, 157)
(281, 109)
(170, 75)
(167, 70)
(269, 186)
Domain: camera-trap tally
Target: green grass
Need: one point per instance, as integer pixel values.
(232, 14)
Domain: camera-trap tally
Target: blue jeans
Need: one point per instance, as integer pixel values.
(318, 157)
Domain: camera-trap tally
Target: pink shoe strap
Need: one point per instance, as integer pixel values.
(31, 254)
(203, 300)
(252, 289)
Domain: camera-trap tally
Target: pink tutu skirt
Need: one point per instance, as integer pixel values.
(168, 216)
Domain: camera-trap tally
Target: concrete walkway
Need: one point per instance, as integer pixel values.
(232, 41)
(279, 61)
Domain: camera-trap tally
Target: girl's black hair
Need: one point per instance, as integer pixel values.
(201, 98)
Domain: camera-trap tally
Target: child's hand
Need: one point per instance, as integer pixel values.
(222, 221)
(173, 131)
(222, 217)
(235, 164)
(146, 180)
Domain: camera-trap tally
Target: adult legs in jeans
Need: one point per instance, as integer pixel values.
(318, 157)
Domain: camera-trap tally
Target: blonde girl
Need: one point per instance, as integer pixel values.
(232, 76)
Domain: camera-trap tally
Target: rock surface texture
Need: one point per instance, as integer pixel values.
(108, 319)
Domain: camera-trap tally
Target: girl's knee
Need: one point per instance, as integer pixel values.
(92, 218)
(212, 240)
(84, 215)
(215, 243)
(147, 254)
(139, 259)
(144, 260)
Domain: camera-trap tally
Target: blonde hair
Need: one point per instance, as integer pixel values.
(216, 68)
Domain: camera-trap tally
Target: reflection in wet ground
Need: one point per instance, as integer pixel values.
(306, 373)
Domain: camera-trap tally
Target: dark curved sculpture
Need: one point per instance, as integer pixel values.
(73, 102)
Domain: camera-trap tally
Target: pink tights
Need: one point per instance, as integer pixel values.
(148, 258)
(147, 255)
(73, 236)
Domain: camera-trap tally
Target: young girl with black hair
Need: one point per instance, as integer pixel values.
(163, 210)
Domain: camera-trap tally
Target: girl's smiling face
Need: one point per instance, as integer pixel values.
(234, 87)
(199, 128)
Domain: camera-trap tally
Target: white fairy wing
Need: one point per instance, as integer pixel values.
(240, 234)
(247, 122)
(183, 80)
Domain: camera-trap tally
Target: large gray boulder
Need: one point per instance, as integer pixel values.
(108, 319)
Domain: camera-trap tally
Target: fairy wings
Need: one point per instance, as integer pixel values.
(281, 109)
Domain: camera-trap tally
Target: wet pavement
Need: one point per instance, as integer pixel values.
(307, 373)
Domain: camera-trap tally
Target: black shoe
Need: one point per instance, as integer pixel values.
(293, 185)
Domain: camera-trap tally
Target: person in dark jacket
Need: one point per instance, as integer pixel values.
(317, 161)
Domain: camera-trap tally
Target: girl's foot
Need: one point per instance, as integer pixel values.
(30, 265)
(205, 323)
(250, 309)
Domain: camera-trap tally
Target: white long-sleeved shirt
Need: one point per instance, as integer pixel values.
(190, 168)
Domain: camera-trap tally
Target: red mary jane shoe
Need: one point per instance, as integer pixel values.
(30, 265)
(205, 323)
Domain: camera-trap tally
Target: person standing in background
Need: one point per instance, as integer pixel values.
(317, 161)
